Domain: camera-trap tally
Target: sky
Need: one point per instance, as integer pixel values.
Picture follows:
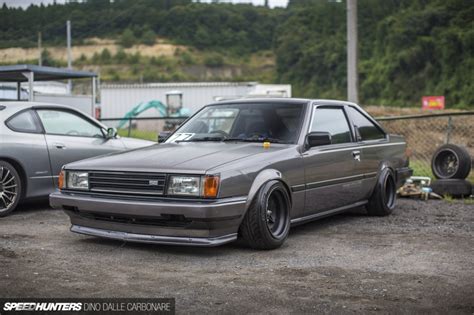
(26, 3)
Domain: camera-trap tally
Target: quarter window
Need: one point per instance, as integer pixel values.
(332, 120)
(24, 122)
(67, 124)
(367, 129)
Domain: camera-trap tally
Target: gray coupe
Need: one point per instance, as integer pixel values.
(248, 168)
(36, 140)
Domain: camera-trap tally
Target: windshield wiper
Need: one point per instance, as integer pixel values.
(202, 139)
(272, 140)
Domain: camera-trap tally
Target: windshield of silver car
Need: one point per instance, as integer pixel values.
(278, 123)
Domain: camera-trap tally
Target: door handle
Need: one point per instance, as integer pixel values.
(356, 155)
(59, 145)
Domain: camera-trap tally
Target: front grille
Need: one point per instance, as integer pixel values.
(145, 184)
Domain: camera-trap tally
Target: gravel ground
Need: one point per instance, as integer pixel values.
(419, 259)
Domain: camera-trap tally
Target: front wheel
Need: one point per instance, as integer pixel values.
(267, 221)
(382, 201)
(10, 188)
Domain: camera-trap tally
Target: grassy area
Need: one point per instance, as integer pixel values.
(139, 134)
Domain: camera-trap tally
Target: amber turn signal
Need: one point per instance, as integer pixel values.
(211, 186)
(61, 180)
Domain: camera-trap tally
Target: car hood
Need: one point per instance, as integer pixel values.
(192, 157)
(131, 143)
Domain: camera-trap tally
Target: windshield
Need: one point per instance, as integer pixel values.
(279, 123)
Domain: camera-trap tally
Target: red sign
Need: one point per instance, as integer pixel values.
(432, 102)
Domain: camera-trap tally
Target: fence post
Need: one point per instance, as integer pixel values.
(448, 129)
(129, 126)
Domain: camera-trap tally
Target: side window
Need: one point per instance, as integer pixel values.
(367, 130)
(24, 122)
(332, 120)
(67, 123)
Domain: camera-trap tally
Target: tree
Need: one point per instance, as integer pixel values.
(127, 39)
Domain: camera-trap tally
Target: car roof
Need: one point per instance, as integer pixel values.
(25, 104)
(286, 101)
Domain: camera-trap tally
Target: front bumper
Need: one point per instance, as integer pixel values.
(176, 222)
(155, 239)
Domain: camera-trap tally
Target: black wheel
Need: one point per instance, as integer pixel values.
(267, 221)
(452, 187)
(10, 188)
(451, 161)
(382, 201)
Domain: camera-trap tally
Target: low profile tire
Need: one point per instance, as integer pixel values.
(267, 221)
(382, 201)
(451, 161)
(452, 187)
(10, 188)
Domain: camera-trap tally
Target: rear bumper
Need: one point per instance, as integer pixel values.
(177, 222)
(403, 174)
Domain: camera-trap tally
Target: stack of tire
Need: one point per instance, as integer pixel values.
(451, 165)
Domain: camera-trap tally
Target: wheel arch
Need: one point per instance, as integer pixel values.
(21, 171)
(263, 177)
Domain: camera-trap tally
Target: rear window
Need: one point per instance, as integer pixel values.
(24, 122)
(367, 129)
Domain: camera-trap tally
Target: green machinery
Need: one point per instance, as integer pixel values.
(163, 110)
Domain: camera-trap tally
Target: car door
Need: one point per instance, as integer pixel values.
(371, 139)
(71, 136)
(329, 169)
(24, 142)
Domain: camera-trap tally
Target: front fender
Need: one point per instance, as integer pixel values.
(263, 177)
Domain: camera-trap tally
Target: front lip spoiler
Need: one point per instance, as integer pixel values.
(155, 239)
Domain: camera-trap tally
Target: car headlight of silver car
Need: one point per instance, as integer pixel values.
(77, 180)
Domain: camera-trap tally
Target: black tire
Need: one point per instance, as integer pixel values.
(451, 161)
(452, 187)
(383, 199)
(261, 229)
(10, 188)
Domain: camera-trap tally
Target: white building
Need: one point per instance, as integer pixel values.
(118, 99)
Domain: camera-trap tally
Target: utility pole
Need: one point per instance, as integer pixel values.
(40, 51)
(69, 57)
(352, 76)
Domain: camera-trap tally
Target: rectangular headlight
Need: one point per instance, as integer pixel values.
(184, 185)
(77, 180)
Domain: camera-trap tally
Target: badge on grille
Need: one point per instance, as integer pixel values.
(153, 182)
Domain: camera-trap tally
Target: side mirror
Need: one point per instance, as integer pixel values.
(314, 139)
(111, 133)
(163, 136)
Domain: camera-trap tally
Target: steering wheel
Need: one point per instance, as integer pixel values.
(221, 132)
(73, 132)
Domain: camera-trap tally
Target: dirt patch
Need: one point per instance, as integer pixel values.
(419, 259)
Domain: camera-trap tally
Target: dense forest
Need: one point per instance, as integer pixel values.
(407, 48)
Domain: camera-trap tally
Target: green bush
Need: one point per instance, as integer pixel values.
(127, 39)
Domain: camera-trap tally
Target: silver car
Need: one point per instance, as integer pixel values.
(37, 139)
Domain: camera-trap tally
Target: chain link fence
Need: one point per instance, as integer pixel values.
(423, 133)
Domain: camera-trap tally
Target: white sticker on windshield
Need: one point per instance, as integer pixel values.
(181, 137)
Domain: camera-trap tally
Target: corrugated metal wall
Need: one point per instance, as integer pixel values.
(118, 99)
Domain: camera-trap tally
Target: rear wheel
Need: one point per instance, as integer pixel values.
(382, 201)
(10, 188)
(267, 221)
